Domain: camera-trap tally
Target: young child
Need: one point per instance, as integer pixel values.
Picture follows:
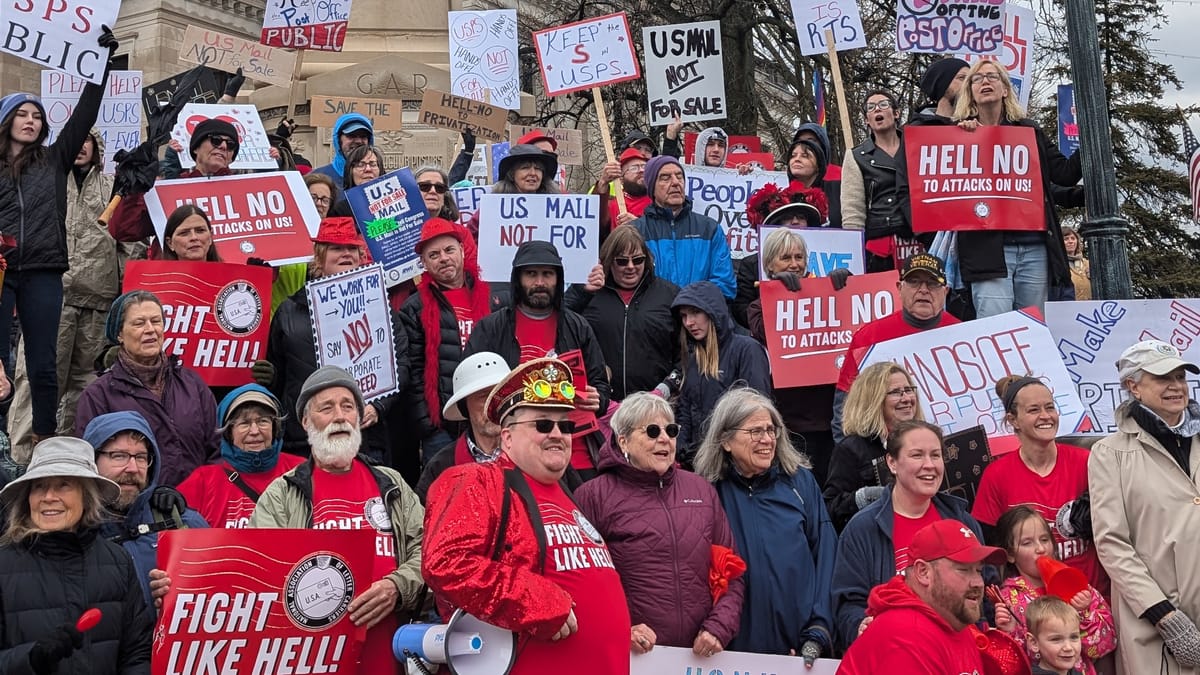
(1053, 636)
(1027, 537)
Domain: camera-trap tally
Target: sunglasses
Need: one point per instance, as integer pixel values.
(626, 262)
(653, 431)
(218, 140)
(430, 186)
(544, 426)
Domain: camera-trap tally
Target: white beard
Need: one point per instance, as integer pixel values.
(337, 452)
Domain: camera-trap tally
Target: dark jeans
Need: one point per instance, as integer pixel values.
(38, 298)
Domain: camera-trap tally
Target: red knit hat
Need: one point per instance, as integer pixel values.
(631, 154)
(339, 231)
(535, 136)
(434, 228)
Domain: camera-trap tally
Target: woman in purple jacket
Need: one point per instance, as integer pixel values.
(660, 523)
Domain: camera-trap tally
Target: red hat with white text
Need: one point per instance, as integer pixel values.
(951, 539)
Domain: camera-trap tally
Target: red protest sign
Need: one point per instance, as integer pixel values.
(987, 179)
(761, 161)
(263, 215)
(733, 144)
(808, 331)
(216, 316)
(261, 601)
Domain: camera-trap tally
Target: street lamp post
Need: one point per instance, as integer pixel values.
(1103, 227)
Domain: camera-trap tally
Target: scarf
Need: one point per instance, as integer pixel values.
(431, 324)
(152, 376)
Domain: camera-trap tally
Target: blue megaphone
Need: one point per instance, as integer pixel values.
(466, 645)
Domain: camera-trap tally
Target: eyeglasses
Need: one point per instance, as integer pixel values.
(653, 430)
(626, 262)
(430, 186)
(263, 423)
(218, 140)
(901, 391)
(366, 165)
(757, 433)
(142, 459)
(879, 105)
(320, 200)
(980, 77)
(634, 168)
(544, 426)
(916, 284)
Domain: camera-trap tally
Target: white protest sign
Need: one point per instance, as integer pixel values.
(684, 72)
(255, 149)
(1020, 25)
(352, 328)
(120, 118)
(722, 194)
(570, 222)
(319, 25)
(1091, 335)
(60, 34)
(950, 26)
(829, 249)
(813, 17)
(483, 57)
(467, 200)
(586, 54)
(957, 367)
(681, 661)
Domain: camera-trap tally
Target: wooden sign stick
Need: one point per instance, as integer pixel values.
(296, 85)
(843, 111)
(606, 136)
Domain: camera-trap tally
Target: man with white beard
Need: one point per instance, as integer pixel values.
(338, 488)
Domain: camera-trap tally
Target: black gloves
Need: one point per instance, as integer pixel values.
(284, 130)
(263, 372)
(790, 280)
(234, 84)
(47, 653)
(1074, 519)
(670, 385)
(839, 277)
(166, 499)
(257, 261)
(107, 41)
(468, 141)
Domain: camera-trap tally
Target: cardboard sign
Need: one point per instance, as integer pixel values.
(685, 76)
(467, 200)
(814, 17)
(1068, 122)
(1020, 26)
(228, 53)
(319, 25)
(721, 194)
(390, 213)
(570, 142)
(828, 249)
(263, 215)
(61, 34)
(120, 118)
(950, 26)
(570, 222)
(759, 161)
(352, 328)
(447, 111)
(216, 316)
(483, 57)
(254, 151)
(586, 54)
(966, 455)
(680, 661)
(957, 367)
(261, 601)
(385, 114)
(1091, 335)
(808, 332)
(988, 179)
(207, 89)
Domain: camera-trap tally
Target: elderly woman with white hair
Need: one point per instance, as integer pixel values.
(1146, 511)
(779, 523)
(661, 523)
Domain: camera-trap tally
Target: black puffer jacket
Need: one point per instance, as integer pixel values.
(49, 580)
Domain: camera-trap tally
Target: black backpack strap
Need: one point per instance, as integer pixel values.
(514, 481)
(236, 479)
(502, 531)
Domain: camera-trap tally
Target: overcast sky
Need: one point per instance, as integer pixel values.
(1178, 39)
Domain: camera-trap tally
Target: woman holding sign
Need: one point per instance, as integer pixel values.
(364, 164)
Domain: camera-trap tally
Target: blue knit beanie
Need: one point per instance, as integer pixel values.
(13, 101)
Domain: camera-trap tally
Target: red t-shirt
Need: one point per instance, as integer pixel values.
(579, 562)
(536, 336)
(219, 501)
(460, 301)
(881, 330)
(626, 295)
(903, 529)
(351, 501)
(1008, 482)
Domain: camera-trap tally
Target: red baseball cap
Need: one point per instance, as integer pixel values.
(434, 228)
(535, 136)
(339, 231)
(951, 539)
(631, 154)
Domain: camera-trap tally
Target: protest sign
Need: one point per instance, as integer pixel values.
(261, 601)
(467, 200)
(385, 115)
(390, 213)
(734, 145)
(60, 34)
(207, 88)
(586, 54)
(828, 249)
(483, 57)
(228, 53)
(447, 111)
(956, 369)
(120, 118)
(950, 26)
(570, 222)
(721, 194)
(1091, 335)
(352, 328)
(319, 25)
(814, 17)
(1016, 56)
(1068, 123)
(987, 179)
(570, 142)
(215, 315)
(685, 76)
(966, 455)
(759, 161)
(254, 151)
(683, 661)
(808, 332)
(264, 215)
